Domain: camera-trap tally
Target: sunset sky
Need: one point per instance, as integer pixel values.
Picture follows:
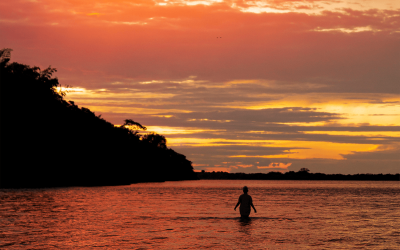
(237, 86)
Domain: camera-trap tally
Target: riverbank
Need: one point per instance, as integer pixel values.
(291, 175)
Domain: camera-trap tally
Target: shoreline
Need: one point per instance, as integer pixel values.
(296, 176)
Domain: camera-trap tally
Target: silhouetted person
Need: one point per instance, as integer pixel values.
(245, 201)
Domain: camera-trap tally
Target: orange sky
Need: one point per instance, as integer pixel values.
(234, 85)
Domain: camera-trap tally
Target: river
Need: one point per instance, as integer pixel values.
(200, 215)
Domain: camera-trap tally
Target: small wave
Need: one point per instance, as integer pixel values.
(159, 238)
(7, 244)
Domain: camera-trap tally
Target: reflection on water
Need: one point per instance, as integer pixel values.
(199, 214)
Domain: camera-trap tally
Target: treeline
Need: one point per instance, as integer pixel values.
(300, 175)
(49, 142)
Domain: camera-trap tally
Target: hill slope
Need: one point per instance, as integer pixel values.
(47, 141)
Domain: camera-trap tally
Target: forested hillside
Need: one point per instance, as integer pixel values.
(48, 142)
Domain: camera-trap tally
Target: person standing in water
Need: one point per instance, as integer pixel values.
(245, 201)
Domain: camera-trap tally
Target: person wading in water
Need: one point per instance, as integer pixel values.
(245, 201)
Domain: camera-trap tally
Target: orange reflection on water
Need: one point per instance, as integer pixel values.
(199, 215)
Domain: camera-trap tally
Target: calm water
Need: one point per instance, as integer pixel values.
(200, 215)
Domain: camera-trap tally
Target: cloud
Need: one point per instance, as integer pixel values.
(181, 40)
(282, 79)
(276, 165)
(278, 115)
(385, 153)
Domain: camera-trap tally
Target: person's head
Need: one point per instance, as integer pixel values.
(245, 189)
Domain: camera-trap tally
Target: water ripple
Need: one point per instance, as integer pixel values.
(199, 215)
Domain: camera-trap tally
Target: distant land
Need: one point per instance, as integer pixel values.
(47, 141)
(303, 174)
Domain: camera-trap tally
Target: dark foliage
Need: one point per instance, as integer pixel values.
(48, 142)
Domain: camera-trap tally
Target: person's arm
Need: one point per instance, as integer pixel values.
(251, 204)
(255, 211)
(237, 204)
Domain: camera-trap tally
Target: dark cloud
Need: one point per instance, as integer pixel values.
(347, 166)
(387, 153)
(230, 150)
(276, 115)
(232, 135)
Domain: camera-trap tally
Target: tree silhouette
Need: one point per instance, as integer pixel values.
(47, 141)
(304, 170)
(133, 126)
(156, 140)
(5, 56)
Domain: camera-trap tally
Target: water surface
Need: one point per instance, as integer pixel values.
(200, 215)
